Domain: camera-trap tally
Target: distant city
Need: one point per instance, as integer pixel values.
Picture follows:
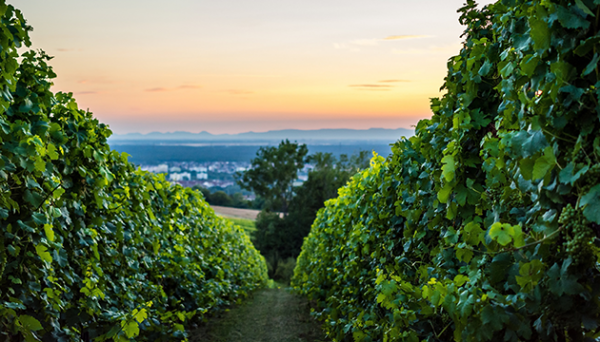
(219, 175)
(212, 161)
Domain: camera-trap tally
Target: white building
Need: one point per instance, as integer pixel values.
(175, 177)
(199, 169)
(202, 175)
(162, 168)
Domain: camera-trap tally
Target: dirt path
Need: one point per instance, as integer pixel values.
(271, 315)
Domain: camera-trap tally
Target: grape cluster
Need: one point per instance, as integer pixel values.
(578, 235)
(592, 177)
(581, 157)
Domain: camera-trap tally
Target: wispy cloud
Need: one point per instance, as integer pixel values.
(393, 81)
(86, 92)
(381, 87)
(157, 90)
(181, 87)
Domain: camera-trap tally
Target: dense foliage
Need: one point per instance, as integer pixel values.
(221, 198)
(90, 247)
(326, 177)
(279, 236)
(273, 172)
(483, 226)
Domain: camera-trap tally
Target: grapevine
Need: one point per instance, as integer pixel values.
(490, 210)
(91, 247)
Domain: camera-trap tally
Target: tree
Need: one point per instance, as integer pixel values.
(328, 175)
(278, 238)
(273, 173)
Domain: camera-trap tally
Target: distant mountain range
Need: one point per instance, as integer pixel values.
(304, 136)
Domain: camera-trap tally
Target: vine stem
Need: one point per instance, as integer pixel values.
(48, 196)
(561, 138)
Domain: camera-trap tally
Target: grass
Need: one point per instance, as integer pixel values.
(248, 225)
(269, 315)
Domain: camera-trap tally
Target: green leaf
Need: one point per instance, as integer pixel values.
(569, 19)
(444, 194)
(40, 165)
(591, 66)
(586, 46)
(42, 251)
(541, 167)
(131, 329)
(526, 165)
(460, 280)
(544, 164)
(566, 175)
(529, 64)
(507, 69)
(140, 315)
(591, 204)
(49, 232)
(562, 70)
(518, 236)
(584, 8)
(501, 233)
(52, 152)
(464, 254)
(449, 168)
(33, 198)
(528, 143)
(30, 323)
(540, 33)
(530, 275)
(485, 68)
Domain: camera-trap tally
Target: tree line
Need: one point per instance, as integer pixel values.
(287, 210)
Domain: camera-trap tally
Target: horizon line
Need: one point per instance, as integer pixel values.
(273, 130)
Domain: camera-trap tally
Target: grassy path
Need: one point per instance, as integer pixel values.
(271, 315)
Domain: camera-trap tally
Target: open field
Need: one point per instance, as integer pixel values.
(248, 214)
(248, 225)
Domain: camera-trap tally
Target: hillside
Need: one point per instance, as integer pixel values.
(302, 136)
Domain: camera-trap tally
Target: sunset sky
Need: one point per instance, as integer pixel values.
(233, 66)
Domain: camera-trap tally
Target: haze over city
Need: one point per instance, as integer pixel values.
(236, 66)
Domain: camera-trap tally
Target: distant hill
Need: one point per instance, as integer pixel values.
(160, 153)
(304, 136)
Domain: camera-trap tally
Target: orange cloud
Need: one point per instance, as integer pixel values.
(159, 89)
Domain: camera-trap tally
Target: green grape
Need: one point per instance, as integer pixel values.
(578, 235)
